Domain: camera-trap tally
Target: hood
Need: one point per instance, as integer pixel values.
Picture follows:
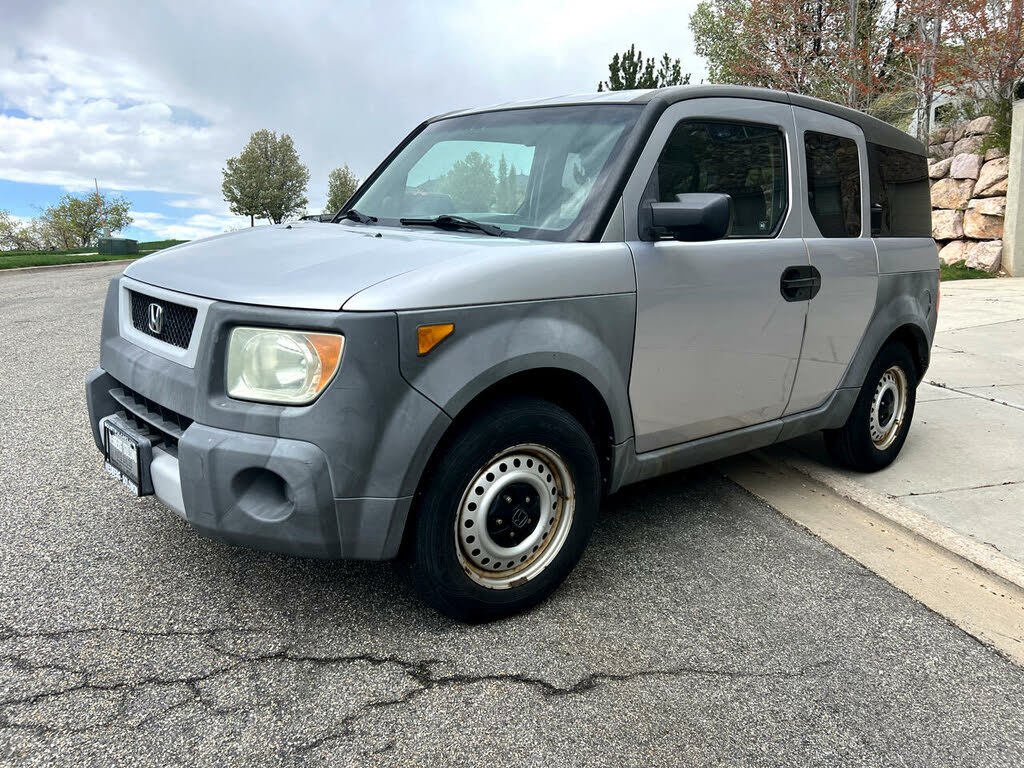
(302, 265)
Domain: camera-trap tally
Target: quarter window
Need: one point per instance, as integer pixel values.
(746, 162)
(833, 184)
(900, 199)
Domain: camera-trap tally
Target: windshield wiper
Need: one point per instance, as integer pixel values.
(447, 221)
(355, 215)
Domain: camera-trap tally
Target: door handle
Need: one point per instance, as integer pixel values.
(800, 283)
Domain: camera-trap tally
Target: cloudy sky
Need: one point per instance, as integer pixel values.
(151, 97)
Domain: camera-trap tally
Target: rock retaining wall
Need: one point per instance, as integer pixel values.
(968, 195)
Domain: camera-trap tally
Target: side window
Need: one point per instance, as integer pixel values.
(747, 162)
(901, 203)
(833, 184)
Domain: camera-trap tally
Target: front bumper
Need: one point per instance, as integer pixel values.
(257, 491)
(334, 479)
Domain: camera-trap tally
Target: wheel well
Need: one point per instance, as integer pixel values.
(565, 389)
(913, 338)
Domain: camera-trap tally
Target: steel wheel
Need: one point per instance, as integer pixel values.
(888, 407)
(514, 516)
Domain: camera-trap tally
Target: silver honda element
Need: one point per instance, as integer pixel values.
(524, 308)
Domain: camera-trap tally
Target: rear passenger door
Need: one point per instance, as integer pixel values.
(837, 230)
(716, 343)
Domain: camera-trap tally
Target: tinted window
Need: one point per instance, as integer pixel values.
(901, 203)
(833, 184)
(747, 162)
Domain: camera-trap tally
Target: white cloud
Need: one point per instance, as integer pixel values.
(149, 96)
(90, 119)
(163, 227)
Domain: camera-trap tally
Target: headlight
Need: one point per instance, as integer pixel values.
(275, 366)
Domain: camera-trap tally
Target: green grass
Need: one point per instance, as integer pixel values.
(15, 259)
(960, 271)
(55, 253)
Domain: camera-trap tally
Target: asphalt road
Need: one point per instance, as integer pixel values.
(701, 627)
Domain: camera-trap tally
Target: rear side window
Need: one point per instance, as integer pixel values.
(901, 203)
(747, 162)
(833, 184)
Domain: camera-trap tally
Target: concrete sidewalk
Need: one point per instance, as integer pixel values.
(962, 467)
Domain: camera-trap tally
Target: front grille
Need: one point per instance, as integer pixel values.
(177, 321)
(151, 418)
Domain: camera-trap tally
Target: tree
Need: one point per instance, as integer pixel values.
(793, 45)
(925, 53)
(630, 70)
(75, 222)
(267, 179)
(17, 236)
(989, 35)
(341, 185)
(507, 189)
(470, 183)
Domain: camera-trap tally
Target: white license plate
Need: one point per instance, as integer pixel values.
(123, 456)
(122, 478)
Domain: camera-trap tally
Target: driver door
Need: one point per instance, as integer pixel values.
(717, 343)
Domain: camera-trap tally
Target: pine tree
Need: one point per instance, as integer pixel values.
(502, 196)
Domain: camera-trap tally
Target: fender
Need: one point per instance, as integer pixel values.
(902, 299)
(590, 336)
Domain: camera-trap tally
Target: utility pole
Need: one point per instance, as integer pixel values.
(99, 202)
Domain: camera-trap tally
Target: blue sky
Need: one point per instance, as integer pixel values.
(26, 200)
(152, 98)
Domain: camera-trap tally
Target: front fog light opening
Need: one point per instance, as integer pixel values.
(263, 494)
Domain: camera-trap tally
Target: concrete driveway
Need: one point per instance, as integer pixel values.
(963, 464)
(701, 628)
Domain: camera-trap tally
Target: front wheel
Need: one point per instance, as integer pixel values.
(877, 427)
(506, 512)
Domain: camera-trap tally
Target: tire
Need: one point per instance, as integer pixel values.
(505, 512)
(875, 432)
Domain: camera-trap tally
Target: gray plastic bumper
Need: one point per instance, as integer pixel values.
(276, 494)
(263, 492)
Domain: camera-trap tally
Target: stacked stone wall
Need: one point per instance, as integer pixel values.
(968, 187)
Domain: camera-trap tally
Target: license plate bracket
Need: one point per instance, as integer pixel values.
(127, 455)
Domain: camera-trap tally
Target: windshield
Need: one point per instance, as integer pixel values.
(532, 172)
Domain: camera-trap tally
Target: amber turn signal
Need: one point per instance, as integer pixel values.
(429, 336)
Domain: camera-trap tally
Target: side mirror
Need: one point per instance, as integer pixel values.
(694, 217)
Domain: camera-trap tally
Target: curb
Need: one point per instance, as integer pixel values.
(47, 267)
(989, 560)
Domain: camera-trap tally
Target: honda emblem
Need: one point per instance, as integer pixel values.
(156, 319)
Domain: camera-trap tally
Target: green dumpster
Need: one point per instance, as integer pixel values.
(118, 246)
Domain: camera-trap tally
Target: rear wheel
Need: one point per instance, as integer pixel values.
(506, 511)
(877, 427)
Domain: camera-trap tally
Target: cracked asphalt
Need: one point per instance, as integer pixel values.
(701, 627)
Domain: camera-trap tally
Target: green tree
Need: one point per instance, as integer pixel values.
(341, 185)
(630, 70)
(507, 190)
(16, 236)
(470, 183)
(267, 179)
(75, 221)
